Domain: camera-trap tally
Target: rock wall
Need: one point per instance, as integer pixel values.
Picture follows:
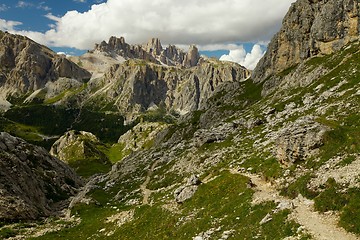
(310, 28)
(33, 184)
(151, 51)
(135, 86)
(26, 66)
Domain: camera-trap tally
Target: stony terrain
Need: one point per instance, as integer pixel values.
(209, 153)
(33, 184)
(148, 76)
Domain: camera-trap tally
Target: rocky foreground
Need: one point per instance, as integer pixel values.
(208, 153)
(33, 183)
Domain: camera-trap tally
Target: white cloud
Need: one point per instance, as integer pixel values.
(8, 25)
(214, 47)
(248, 60)
(53, 17)
(41, 5)
(44, 7)
(23, 4)
(206, 23)
(3, 7)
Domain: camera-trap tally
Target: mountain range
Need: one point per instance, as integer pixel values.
(146, 142)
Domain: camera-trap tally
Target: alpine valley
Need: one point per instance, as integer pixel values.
(152, 142)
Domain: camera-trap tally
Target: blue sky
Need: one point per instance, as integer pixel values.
(32, 14)
(235, 30)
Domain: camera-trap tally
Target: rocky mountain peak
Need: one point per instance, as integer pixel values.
(116, 43)
(192, 57)
(152, 51)
(154, 46)
(310, 28)
(27, 66)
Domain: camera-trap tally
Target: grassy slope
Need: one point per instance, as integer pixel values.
(341, 140)
(226, 198)
(225, 201)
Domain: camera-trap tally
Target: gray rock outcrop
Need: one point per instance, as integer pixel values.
(310, 28)
(26, 66)
(192, 57)
(299, 140)
(188, 190)
(33, 184)
(77, 145)
(151, 51)
(136, 86)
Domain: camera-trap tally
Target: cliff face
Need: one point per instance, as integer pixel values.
(310, 28)
(33, 184)
(135, 86)
(26, 66)
(151, 51)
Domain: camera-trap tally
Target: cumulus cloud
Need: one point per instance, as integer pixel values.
(186, 22)
(248, 60)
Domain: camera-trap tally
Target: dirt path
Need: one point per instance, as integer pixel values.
(147, 192)
(320, 226)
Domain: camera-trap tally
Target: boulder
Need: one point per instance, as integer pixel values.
(299, 140)
(188, 190)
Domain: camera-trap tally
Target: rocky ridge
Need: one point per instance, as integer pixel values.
(74, 143)
(152, 51)
(253, 162)
(33, 184)
(27, 66)
(129, 79)
(310, 28)
(134, 87)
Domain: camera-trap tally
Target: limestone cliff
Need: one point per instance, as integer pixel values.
(135, 85)
(26, 66)
(151, 51)
(310, 28)
(33, 184)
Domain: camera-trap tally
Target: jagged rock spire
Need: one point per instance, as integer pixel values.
(151, 51)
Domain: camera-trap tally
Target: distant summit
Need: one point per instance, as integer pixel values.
(26, 66)
(151, 51)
